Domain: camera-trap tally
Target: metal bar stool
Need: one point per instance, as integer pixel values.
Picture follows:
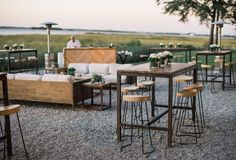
(183, 128)
(180, 81)
(133, 102)
(230, 68)
(199, 88)
(147, 86)
(208, 67)
(7, 111)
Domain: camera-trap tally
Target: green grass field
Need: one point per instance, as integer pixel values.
(138, 44)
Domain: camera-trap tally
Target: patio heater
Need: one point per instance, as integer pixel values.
(49, 58)
(220, 25)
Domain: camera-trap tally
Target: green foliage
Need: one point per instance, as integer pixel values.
(96, 78)
(207, 11)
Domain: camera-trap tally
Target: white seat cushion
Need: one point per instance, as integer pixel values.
(26, 76)
(98, 68)
(56, 78)
(10, 76)
(80, 67)
(115, 66)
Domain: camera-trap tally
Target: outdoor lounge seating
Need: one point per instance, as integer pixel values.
(46, 88)
(108, 71)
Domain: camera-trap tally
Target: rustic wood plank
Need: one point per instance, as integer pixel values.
(89, 55)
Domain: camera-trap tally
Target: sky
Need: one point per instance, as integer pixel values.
(126, 15)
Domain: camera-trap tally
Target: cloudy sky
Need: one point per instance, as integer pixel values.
(127, 15)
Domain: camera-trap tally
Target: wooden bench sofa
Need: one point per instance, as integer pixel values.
(50, 89)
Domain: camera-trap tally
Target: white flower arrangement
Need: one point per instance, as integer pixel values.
(162, 45)
(160, 56)
(15, 46)
(171, 45)
(179, 45)
(6, 47)
(214, 47)
(167, 54)
(21, 46)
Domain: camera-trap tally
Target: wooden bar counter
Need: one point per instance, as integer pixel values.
(89, 55)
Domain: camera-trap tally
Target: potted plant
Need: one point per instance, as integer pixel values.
(15, 46)
(21, 46)
(179, 45)
(214, 47)
(162, 45)
(168, 55)
(6, 47)
(171, 45)
(97, 78)
(153, 60)
(71, 71)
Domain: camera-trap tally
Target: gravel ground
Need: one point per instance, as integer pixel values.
(54, 131)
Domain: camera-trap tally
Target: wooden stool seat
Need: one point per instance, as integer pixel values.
(187, 93)
(11, 109)
(183, 78)
(218, 60)
(206, 66)
(197, 86)
(136, 98)
(145, 83)
(128, 89)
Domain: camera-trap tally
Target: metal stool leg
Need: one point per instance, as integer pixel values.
(27, 157)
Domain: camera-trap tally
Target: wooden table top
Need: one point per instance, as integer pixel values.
(96, 85)
(213, 52)
(170, 49)
(172, 69)
(19, 50)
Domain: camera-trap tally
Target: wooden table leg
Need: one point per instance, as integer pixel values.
(118, 109)
(101, 95)
(110, 95)
(170, 99)
(92, 96)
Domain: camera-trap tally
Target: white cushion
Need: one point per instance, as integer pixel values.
(98, 68)
(26, 76)
(112, 78)
(115, 66)
(10, 76)
(80, 67)
(56, 78)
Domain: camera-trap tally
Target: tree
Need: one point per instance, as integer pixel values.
(208, 11)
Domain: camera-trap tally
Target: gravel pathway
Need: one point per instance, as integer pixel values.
(57, 132)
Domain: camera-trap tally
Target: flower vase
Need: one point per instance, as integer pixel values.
(153, 64)
(167, 61)
(162, 62)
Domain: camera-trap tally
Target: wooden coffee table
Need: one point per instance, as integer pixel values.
(100, 87)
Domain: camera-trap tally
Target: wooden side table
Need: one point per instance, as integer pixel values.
(100, 87)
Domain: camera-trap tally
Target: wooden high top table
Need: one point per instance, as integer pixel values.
(169, 72)
(3, 78)
(217, 53)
